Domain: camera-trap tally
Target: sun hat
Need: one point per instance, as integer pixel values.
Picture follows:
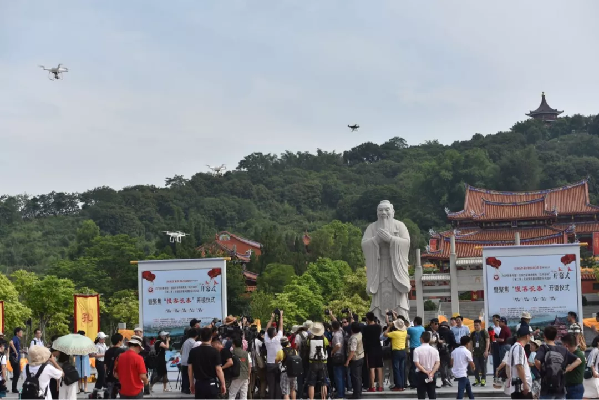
(230, 319)
(294, 328)
(317, 329)
(135, 340)
(525, 315)
(101, 335)
(38, 355)
(284, 341)
(399, 324)
(537, 342)
(137, 329)
(308, 324)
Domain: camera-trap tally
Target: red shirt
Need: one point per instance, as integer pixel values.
(130, 366)
(505, 334)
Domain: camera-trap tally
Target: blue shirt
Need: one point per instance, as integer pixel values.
(17, 343)
(414, 332)
(458, 332)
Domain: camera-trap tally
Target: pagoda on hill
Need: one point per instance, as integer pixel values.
(494, 218)
(240, 249)
(544, 112)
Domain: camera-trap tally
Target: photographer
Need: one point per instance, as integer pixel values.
(226, 358)
(318, 359)
(521, 381)
(273, 345)
(399, 336)
(161, 346)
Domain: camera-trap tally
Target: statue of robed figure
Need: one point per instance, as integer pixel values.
(386, 244)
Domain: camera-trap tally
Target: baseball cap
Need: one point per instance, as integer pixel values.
(524, 330)
(435, 321)
(503, 319)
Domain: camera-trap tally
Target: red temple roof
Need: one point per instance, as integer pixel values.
(487, 205)
(544, 108)
(234, 245)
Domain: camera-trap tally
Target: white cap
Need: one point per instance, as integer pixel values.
(101, 335)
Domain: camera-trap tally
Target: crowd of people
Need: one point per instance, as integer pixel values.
(339, 359)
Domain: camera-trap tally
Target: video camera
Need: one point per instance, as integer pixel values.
(277, 313)
(345, 310)
(327, 312)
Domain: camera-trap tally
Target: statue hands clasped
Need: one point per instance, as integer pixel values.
(384, 235)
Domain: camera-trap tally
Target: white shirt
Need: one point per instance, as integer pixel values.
(101, 349)
(426, 356)
(461, 358)
(518, 357)
(50, 372)
(185, 349)
(36, 342)
(2, 363)
(272, 347)
(497, 330)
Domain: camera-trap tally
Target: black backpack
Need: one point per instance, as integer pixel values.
(151, 360)
(70, 374)
(553, 372)
(292, 363)
(31, 386)
(236, 367)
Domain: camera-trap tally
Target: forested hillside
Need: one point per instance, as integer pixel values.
(281, 196)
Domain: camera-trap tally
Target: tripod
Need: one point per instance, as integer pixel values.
(179, 382)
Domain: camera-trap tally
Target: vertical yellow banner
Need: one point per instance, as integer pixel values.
(2, 316)
(87, 314)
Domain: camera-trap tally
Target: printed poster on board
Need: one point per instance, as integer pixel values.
(522, 278)
(171, 298)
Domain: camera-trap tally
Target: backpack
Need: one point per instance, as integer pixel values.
(258, 359)
(236, 367)
(292, 363)
(553, 377)
(305, 349)
(152, 358)
(70, 374)
(31, 386)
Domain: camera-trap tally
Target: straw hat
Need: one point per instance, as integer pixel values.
(230, 319)
(525, 315)
(308, 324)
(317, 329)
(38, 355)
(399, 324)
(294, 328)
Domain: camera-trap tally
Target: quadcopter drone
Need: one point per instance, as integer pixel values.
(175, 236)
(217, 170)
(55, 73)
(354, 127)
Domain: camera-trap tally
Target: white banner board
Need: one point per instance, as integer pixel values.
(173, 292)
(542, 280)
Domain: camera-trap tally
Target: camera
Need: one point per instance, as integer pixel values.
(327, 312)
(345, 310)
(216, 321)
(390, 313)
(277, 312)
(517, 384)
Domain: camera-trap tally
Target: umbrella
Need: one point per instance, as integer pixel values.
(74, 345)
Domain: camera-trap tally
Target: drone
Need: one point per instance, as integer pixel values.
(55, 73)
(175, 236)
(354, 127)
(217, 170)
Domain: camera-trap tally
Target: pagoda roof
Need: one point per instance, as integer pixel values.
(491, 205)
(544, 108)
(469, 242)
(234, 245)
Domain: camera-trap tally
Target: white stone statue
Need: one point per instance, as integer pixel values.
(386, 244)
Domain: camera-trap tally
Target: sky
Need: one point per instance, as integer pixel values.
(158, 88)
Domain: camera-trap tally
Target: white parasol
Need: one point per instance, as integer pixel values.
(74, 345)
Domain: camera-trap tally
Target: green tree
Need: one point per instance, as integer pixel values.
(261, 306)
(338, 241)
(275, 277)
(236, 300)
(15, 313)
(49, 298)
(123, 306)
(299, 301)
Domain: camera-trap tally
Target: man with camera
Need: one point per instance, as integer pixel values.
(521, 383)
(317, 372)
(272, 342)
(205, 366)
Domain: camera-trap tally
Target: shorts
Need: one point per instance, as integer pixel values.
(375, 358)
(317, 373)
(287, 384)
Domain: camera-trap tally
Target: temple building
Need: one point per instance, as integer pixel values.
(496, 218)
(544, 112)
(226, 244)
